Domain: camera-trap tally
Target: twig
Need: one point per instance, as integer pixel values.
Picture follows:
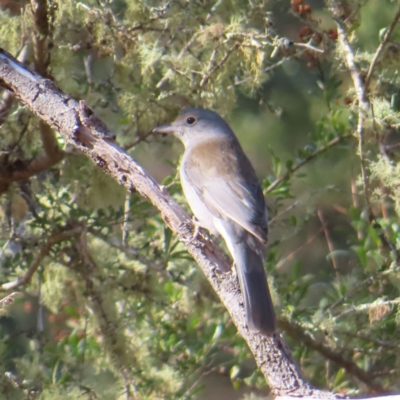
(8, 299)
(188, 45)
(329, 241)
(314, 154)
(53, 239)
(138, 139)
(265, 71)
(223, 60)
(363, 104)
(309, 46)
(275, 218)
(380, 48)
(178, 58)
(378, 342)
(132, 253)
(297, 249)
(337, 357)
(367, 307)
(212, 59)
(52, 155)
(360, 285)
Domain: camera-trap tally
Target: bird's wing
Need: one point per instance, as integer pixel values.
(232, 197)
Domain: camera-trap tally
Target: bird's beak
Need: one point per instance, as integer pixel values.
(167, 128)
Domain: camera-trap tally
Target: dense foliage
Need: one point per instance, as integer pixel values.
(115, 306)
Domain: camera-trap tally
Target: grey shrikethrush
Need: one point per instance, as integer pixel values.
(223, 191)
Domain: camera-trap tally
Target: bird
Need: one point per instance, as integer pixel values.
(225, 196)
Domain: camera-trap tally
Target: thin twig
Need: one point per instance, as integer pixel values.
(188, 45)
(223, 60)
(380, 48)
(8, 299)
(309, 46)
(265, 71)
(53, 239)
(378, 342)
(178, 58)
(335, 356)
(353, 291)
(363, 103)
(297, 249)
(140, 137)
(329, 241)
(367, 307)
(274, 219)
(314, 154)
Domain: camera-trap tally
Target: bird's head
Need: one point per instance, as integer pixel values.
(195, 125)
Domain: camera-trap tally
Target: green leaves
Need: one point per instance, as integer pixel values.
(123, 305)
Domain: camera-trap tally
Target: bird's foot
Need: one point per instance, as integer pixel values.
(193, 232)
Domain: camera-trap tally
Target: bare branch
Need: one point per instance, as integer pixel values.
(80, 127)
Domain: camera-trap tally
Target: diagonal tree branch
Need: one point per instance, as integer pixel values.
(77, 124)
(299, 335)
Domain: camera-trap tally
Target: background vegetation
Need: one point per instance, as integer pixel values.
(145, 324)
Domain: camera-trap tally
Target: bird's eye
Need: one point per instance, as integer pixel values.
(190, 120)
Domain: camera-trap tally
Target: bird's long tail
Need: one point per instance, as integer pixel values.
(259, 309)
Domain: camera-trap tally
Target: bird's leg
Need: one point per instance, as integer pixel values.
(193, 232)
(196, 229)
